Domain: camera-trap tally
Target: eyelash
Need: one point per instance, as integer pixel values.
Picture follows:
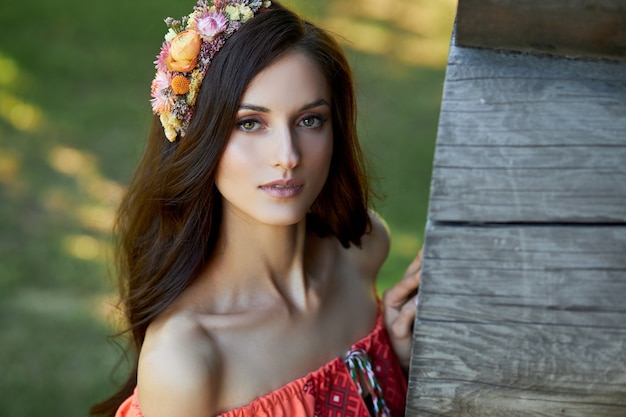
(241, 123)
(320, 119)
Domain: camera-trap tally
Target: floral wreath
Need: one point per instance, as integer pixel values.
(189, 47)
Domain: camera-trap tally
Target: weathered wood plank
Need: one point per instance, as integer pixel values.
(478, 370)
(530, 138)
(521, 321)
(531, 99)
(574, 27)
(539, 275)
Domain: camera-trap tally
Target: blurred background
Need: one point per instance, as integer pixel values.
(74, 113)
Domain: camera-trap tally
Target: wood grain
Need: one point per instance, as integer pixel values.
(540, 275)
(521, 321)
(575, 27)
(517, 371)
(530, 138)
(522, 304)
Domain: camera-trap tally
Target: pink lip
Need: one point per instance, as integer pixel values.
(283, 188)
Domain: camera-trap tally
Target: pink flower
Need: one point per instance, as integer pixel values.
(162, 81)
(162, 103)
(161, 100)
(160, 62)
(210, 25)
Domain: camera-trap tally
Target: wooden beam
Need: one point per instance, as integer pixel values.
(530, 138)
(521, 321)
(595, 28)
(521, 306)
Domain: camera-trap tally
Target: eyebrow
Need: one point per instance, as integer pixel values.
(253, 107)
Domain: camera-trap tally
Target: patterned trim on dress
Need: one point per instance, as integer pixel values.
(360, 368)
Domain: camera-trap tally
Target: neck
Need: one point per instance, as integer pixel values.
(257, 262)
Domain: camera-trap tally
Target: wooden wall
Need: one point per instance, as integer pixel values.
(566, 27)
(523, 302)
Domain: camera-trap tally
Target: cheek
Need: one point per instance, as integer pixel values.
(235, 165)
(321, 154)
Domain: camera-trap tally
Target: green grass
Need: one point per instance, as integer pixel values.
(74, 81)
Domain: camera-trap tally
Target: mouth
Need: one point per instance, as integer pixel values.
(283, 188)
(283, 184)
(279, 186)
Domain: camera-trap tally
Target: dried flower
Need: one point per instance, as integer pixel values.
(210, 25)
(161, 103)
(232, 12)
(186, 54)
(180, 84)
(161, 82)
(171, 34)
(246, 13)
(184, 51)
(194, 87)
(169, 126)
(160, 62)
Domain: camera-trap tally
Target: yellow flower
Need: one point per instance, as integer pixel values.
(192, 96)
(170, 131)
(196, 77)
(246, 13)
(171, 34)
(194, 87)
(184, 51)
(191, 19)
(232, 12)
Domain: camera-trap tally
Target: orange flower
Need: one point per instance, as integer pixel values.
(180, 84)
(184, 51)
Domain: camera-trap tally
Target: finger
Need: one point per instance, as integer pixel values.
(402, 327)
(415, 266)
(398, 294)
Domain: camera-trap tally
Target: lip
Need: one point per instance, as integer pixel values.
(285, 188)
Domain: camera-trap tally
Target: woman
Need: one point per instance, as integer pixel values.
(248, 256)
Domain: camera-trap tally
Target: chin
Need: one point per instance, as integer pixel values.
(279, 217)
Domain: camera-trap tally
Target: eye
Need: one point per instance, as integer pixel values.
(249, 125)
(313, 121)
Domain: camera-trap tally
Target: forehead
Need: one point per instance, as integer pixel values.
(292, 80)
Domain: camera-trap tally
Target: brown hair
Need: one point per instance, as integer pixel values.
(168, 221)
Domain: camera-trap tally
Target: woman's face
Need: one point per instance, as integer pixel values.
(278, 155)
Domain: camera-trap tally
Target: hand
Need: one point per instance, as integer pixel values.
(400, 309)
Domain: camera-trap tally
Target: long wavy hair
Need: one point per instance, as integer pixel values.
(168, 221)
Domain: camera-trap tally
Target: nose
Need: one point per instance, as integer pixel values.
(286, 153)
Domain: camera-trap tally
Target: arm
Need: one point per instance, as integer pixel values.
(177, 371)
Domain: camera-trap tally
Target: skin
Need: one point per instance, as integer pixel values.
(275, 302)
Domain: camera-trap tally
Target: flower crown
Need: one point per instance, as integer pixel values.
(189, 47)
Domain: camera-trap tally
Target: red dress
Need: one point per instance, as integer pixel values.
(368, 381)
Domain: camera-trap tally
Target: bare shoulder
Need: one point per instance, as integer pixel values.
(178, 369)
(374, 248)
